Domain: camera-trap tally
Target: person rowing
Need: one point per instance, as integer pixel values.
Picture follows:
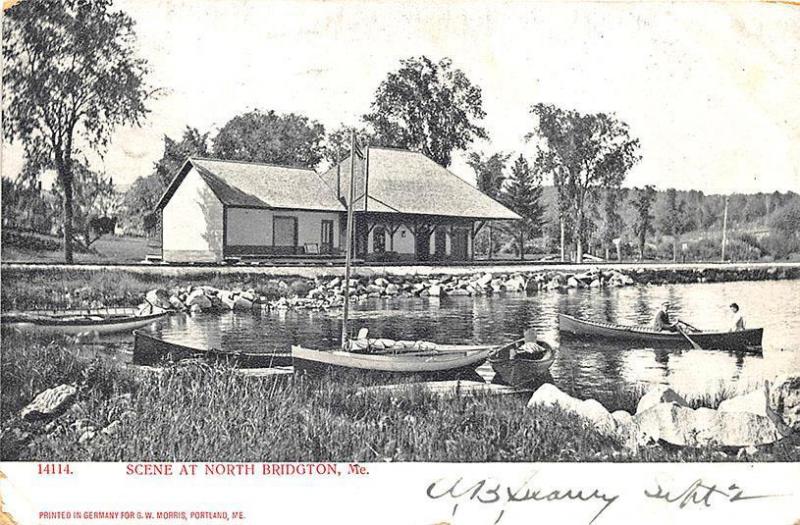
(662, 322)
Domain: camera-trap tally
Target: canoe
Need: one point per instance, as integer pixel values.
(151, 351)
(516, 367)
(745, 340)
(451, 362)
(80, 321)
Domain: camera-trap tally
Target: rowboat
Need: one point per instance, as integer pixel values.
(151, 351)
(516, 366)
(449, 362)
(744, 340)
(74, 322)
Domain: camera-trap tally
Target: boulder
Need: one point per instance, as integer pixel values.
(435, 290)
(485, 280)
(176, 303)
(659, 394)
(683, 426)
(497, 285)
(250, 295)
(334, 283)
(755, 402)
(196, 308)
(158, 297)
(199, 299)
(516, 283)
(392, 289)
(50, 403)
(240, 303)
(458, 292)
(595, 283)
(572, 282)
(590, 410)
(380, 281)
(784, 400)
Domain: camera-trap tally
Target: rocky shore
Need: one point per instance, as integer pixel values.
(328, 292)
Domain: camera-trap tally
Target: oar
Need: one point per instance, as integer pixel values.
(691, 341)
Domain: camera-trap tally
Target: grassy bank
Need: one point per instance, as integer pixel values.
(198, 413)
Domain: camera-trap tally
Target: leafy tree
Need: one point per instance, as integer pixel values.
(290, 139)
(337, 142)
(674, 219)
(642, 201)
(522, 194)
(583, 153)
(145, 192)
(786, 220)
(613, 223)
(428, 107)
(70, 78)
(489, 179)
(93, 194)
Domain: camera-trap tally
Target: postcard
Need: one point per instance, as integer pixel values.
(449, 262)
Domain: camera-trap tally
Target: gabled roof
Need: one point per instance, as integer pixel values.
(255, 185)
(404, 181)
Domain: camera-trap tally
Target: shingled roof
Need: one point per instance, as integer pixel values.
(404, 181)
(255, 185)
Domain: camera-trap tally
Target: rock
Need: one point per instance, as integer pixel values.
(392, 289)
(622, 417)
(595, 284)
(86, 437)
(374, 288)
(516, 284)
(240, 303)
(485, 280)
(380, 281)
(158, 297)
(250, 295)
(572, 282)
(228, 299)
(199, 299)
(50, 403)
(334, 283)
(435, 290)
(683, 426)
(595, 413)
(459, 292)
(112, 429)
(659, 394)
(784, 400)
(755, 402)
(175, 302)
(497, 285)
(196, 308)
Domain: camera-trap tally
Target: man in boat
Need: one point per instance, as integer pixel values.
(737, 320)
(662, 322)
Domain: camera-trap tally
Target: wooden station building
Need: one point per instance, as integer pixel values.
(406, 207)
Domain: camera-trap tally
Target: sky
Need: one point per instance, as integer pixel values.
(711, 90)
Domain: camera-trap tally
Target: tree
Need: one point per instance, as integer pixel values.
(642, 201)
(428, 107)
(289, 140)
(489, 179)
(145, 192)
(674, 219)
(92, 199)
(522, 194)
(337, 142)
(613, 224)
(583, 153)
(70, 78)
(786, 220)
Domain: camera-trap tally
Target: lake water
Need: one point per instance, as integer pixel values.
(582, 368)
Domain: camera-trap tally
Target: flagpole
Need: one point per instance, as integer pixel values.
(348, 242)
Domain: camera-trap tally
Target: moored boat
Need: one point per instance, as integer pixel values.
(743, 340)
(447, 363)
(517, 364)
(74, 322)
(151, 351)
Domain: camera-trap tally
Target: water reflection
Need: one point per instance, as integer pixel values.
(581, 367)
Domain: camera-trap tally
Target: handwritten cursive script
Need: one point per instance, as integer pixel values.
(492, 492)
(702, 493)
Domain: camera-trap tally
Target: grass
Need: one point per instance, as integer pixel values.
(200, 413)
(109, 248)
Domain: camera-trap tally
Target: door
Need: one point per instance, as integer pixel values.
(326, 237)
(460, 243)
(422, 242)
(284, 234)
(440, 243)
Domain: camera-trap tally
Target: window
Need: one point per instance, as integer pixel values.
(378, 240)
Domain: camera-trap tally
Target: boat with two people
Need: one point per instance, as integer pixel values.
(748, 340)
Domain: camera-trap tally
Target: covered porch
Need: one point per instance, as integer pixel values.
(397, 236)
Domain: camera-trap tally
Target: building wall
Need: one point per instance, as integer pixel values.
(192, 223)
(406, 245)
(253, 227)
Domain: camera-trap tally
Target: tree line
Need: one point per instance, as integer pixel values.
(72, 77)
